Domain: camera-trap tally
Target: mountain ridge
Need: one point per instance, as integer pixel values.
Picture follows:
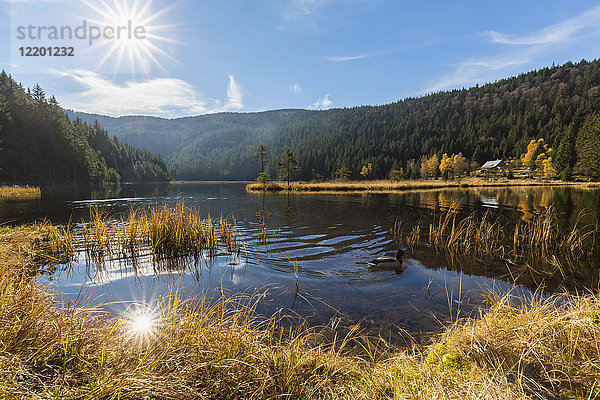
(495, 120)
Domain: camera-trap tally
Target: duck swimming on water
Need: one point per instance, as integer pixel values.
(388, 262)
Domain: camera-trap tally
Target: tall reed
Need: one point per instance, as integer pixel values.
(170, 235)
(538, 242)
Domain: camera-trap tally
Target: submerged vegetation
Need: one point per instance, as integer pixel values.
(219, 348)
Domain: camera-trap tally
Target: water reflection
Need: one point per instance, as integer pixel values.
(330, 238)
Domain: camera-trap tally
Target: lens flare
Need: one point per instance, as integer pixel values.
(142, 323)
(132, 53)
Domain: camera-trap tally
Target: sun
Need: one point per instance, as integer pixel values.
(133, 35)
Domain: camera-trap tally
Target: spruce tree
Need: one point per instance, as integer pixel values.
(566, 154)
(588, 147)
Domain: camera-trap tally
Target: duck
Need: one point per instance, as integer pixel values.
(394, 263)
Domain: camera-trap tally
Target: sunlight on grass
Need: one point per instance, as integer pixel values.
(142, 322)
(19, 192)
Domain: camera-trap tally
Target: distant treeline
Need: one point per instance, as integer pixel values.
(496, 120)
(39, 144)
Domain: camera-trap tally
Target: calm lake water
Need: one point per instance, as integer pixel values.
(330, 237)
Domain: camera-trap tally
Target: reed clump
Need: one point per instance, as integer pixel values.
(19, 192)
(540, 242)
(31, 246)
(542, 239)
(164, 233)
(481, 237)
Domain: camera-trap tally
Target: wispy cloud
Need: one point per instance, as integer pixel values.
(322, 104)
(234, 95)
(473, 71)
(520, 50)
(562, 32)
(312, 14)
(165, 97)
(352, 58)
(296, 88)
(297, 8)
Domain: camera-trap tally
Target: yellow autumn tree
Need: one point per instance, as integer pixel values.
(424, 167)
(460, 165)
(535, 148)
(548, 168)
(446, 166)
(432, 166)
(366, 170)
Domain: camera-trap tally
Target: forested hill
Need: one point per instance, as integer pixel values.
(495, 120)
(39, 144)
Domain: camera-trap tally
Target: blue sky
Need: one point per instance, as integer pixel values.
(242, 55)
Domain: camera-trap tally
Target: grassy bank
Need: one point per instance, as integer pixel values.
(387, 186)
(19, 192)
(186, 349)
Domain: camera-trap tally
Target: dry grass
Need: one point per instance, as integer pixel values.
(19, 192)
(550, 348)
(387, 186)
(34, 245)
(219, 348)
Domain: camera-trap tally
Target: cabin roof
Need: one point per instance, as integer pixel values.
(492, 164)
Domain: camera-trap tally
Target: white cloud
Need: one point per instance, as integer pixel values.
(554, 34)
(523, 51)
(234, 94)
(296, 88)
(165, 97)
(323, 104)
(348, 58)
(473, 71)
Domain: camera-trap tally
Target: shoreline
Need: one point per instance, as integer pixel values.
(208, 182)
(384, 186)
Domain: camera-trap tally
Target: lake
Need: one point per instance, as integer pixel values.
(329, 238)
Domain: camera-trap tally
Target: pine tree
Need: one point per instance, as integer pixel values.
(287, 165)
(262, 152)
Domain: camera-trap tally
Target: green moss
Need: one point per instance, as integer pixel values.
(436, 351)
(451, 361)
